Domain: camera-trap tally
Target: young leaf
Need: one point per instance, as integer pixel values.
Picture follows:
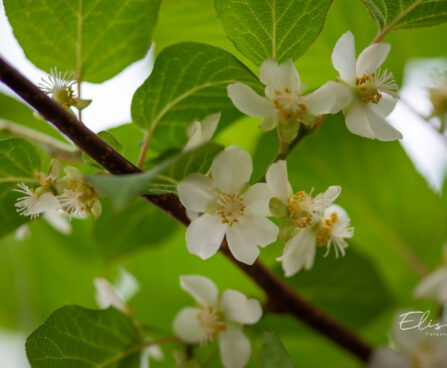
(189, 81)
(407, 13)
(77, 337)
(19, 162)
(94, 39)
(278, 29)
(273, 353)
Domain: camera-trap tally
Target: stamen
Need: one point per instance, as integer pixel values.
(232, 207)
(324, 232)
(300, 211)
(211, 322)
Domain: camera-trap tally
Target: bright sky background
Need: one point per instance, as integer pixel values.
(111, 107)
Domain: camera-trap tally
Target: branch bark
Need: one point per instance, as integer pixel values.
(281, 298)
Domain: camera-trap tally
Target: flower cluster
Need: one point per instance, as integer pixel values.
(365, 94)
(217, 317)
(70, 195)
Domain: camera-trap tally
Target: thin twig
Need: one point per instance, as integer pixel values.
(144, 148)
(281, 297)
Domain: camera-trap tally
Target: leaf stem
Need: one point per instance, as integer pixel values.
(144, 148)
(282, 298)
(396, 20)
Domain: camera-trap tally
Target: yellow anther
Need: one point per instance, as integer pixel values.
(325, 229)
(232, 207)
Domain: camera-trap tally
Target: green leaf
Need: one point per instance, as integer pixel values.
(111, 140)
(94, 39)
(19, 162)
(278, 29)
(140, 225)
(402, 14)
(189, 81)
(83, 338)
(198, 160)
(273, 354)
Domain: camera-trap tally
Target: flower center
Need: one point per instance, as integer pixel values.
(367, 88)
(211, 322)
(325, 229)
(300, 209)
(232, 207)
(289, 103)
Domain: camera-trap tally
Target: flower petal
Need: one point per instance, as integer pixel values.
(201, 288)
(196, 192)
(385, 106)
(187, 326)
(257, 198)
(209, 125)
(204, 235)
(106, 296)
(321, 101)
(382, 129)
(323, 200)
(269, 123)
(236, 307)
(371, 58)
(278, 180)
(343, 57)
(357, 121)
(244, 236)
(342, 95)
(249, 102)
(277, 77)
(434, 285)
(299, 252)
(194, 132)
(386, 358)
(231, 169)
(235, 348)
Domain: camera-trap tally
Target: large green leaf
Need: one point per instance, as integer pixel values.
(189, 81)
(273, 354)
(94, 38)
(19, 162)
(77, 337)
(278, 29)
(399, 221)
(407, 13)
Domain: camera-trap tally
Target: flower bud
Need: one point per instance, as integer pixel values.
(289, 131)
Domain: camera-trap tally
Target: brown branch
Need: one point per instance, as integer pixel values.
(281, 297)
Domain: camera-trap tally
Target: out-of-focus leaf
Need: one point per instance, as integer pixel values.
(139, 224)
(77, 337)
(111, 140)
(273, 354)
(94, 39)
(19, 162)
(407, 13)
(278, 29)
(189, 81)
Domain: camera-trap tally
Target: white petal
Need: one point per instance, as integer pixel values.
(382, 129)
(278, 181)
(434, 285)
(235, 348)
(372, 58)
(343, 57)
(342, 95)
(58, 221)
(107, 296)
(204, 235)
(407, 338)
(187, 326)
(231, 169)
(257, 199)
(126, 285)
(340, 211)
(244, 236)
(236, 307)
(196, 192)
(357, 121)
(299, 252)
(277, 77)
(155, 352)
(269, 123)
(249, 102)
(385, 106)
(209, 125)
(323, 200)
(195, 136)
(385, 358)
(321, 101)
(201, 288)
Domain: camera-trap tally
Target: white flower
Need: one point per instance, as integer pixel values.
(332, 229)
(368, 93)
(283, 99)
(201, 132)
(73, 203)
(152, 351)
(217, 318)
(434, 286)
(57, 82)
(414, 348)
(303, 209)
(107, 295)
(229, 207)
(35, 202)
